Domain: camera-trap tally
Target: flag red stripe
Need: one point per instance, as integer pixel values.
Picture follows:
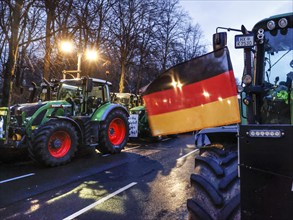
(192, 95)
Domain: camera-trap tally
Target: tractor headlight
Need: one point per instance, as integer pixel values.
(271, 25)
(255, 133)
(283, 23)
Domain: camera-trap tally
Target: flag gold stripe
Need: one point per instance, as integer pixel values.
(221, 112)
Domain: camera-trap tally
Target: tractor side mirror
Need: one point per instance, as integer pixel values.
(219, 40)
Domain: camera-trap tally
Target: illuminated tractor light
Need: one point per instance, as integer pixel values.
(283, 23)
(265, 133)
(16, 137)
(271, 25)
(247, 101)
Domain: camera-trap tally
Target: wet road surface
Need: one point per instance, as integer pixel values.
(145, 181)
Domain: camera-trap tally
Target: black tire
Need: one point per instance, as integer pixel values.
(54, 132)
(216, 186)
(114, 132)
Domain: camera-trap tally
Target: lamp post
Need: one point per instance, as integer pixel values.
(79, 55)
(67, 47)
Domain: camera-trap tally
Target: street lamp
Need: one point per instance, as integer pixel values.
(67, 47)
(92, 55)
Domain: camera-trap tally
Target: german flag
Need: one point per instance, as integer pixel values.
(193, 95)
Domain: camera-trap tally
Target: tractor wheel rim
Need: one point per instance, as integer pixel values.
(64, 142)
(116, 131)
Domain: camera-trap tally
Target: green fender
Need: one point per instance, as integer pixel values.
(101, 113)
(50, 109)
(73, 123)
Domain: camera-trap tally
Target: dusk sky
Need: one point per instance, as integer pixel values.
(232, 14)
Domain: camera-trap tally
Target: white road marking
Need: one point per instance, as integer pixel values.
(16, 178)
(186, 155)
(166, 139)
(131, 148)
(74, 215)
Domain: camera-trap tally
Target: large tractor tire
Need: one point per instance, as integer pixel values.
(216, 186)
(53, 143)
(114, 132)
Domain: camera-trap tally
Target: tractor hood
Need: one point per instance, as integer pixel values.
(28, 108)
(138, 108)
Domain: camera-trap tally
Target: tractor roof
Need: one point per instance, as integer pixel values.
(101, 81)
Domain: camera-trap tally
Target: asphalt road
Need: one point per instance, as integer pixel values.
(145, 181)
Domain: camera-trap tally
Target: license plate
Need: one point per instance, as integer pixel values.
(244, 41)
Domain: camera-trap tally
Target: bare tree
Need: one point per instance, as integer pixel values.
(137, 39)
(191, 45)
(50, 8)
(124, 27)
(168, 32)
(146, 41)
(15, 22)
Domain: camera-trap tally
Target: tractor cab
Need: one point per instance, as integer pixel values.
(266, 85)
(268, 74)
(85, 94)
(276, 55)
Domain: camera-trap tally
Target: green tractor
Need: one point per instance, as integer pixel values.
(53, 131)
(138, 119)
(128, 100)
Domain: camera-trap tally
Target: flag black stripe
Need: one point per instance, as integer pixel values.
(192, 71)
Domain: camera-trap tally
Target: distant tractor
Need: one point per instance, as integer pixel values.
(139, 126)
(246, 171)
(128, 100)
(53, 131)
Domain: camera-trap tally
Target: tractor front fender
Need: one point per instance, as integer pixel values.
(223, 134)
(102, 112)
(72, 121)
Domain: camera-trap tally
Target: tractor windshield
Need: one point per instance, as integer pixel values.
(278, 55)
(70, 89)
(74, 89)
(278, 76)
